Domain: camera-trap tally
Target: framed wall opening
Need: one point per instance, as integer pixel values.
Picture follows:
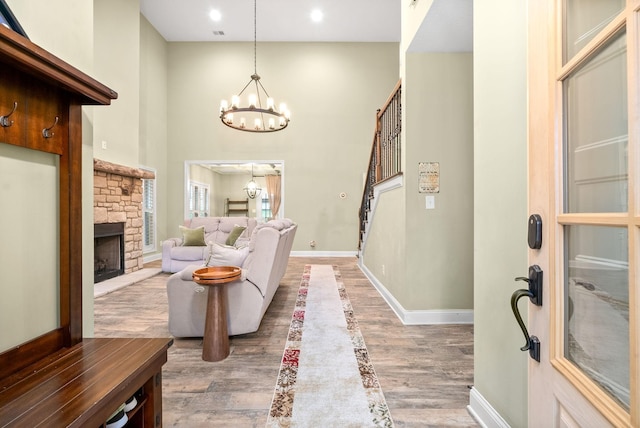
(227, 179)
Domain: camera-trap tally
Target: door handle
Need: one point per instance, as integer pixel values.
(535, 284)
(534, 292)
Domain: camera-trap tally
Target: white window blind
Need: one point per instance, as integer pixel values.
(199, 204)
(265, 206)
(149, 215)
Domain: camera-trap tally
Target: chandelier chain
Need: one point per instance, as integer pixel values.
(255, 37)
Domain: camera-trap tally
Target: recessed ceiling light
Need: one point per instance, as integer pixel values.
(317, 15)
(215, 15)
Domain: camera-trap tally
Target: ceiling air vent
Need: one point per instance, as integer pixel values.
(218, 33)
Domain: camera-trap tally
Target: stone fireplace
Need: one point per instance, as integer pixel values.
(117, 205)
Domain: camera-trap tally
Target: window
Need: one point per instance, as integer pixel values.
(265, 206)
(198, 199)
(149, 215)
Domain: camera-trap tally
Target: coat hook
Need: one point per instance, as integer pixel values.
(4, 120)
(46, 132)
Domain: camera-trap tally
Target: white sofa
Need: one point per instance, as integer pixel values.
(176, 257)
(248, 298)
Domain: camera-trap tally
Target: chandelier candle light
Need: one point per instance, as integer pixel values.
(254, 117)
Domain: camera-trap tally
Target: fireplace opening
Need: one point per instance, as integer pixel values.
(108, 251)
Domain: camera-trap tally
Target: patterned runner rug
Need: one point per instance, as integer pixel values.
(326, 378)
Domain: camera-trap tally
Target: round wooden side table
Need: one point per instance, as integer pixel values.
(215, 342)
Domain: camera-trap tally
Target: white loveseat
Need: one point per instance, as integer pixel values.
(248, 298)
(176, 256)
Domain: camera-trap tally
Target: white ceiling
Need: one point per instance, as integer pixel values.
(448, 26)
(277, 20)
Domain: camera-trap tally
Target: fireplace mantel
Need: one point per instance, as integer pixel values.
(125, 171)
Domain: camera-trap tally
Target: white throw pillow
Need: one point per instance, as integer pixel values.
(226, 255)
(241, 242)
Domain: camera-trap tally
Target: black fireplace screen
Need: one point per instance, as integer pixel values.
(108, 251)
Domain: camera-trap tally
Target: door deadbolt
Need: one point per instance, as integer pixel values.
(534, 232)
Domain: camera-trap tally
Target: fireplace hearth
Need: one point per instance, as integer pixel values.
(108, 251)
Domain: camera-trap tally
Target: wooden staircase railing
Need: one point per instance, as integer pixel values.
(384, 160)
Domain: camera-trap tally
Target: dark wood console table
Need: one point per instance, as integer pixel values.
(60, 378)
(81, 386)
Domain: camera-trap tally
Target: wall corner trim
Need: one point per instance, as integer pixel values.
(482, 411)
(425, 317)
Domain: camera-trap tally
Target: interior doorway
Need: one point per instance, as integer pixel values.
(210, 184)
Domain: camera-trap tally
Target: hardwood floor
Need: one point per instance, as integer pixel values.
(424, 371)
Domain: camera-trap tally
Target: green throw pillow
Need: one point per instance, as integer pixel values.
(234, 235)
(192, 237)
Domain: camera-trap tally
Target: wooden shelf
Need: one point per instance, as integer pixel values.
(135, 416)
(236, 207)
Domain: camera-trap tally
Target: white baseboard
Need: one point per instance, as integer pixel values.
(324, 253)
(482, 411)
(439, 316)
(152, 257)
(426, 317)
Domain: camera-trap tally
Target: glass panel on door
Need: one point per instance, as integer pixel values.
(596, 278)
(597, 306)
(596, 133)
(583, 171)
(584, 19)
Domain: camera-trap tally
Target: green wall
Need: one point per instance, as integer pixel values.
(74, 44)
(117, 59)
(117, 64)
(71, 41)
(333, 91)
(435, 271)
(439, 128)
(152, 140)
(500, 204)
(384, 253)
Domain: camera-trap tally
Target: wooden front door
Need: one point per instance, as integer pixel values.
(584, 167)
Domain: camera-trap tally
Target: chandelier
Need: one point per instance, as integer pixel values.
(253, 116)
(252, 188)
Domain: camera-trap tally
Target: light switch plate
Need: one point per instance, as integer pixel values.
(430, 202)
